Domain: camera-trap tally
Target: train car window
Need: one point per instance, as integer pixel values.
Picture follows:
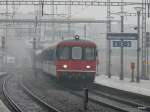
(76, 53)
(89, 53)
(54, 54)
(64, 53)
(50, 55)
(44, 55)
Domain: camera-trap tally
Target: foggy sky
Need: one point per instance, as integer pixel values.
(82, 11)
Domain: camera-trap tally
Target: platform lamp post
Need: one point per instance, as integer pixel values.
(138, 9)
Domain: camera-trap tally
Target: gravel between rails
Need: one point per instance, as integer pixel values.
(47, 89)
(22, 99)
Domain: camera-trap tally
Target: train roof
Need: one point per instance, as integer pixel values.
(79, 42)
(69, 42)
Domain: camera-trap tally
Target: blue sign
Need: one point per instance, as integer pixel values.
(121, 43)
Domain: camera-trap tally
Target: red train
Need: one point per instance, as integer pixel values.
(73, 59)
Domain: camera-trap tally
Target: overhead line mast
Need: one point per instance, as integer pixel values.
(122, 50)
(144, 65)
(108, 64)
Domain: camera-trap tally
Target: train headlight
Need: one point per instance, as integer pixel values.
(65, 66)
(88, 66)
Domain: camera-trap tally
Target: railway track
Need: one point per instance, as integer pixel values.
(106, 100)
(8, 97)
(17, 107)
(49, 107)
(59, 95)
(113, 102)
(137, 104)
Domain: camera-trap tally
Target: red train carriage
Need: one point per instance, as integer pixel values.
(70, 59)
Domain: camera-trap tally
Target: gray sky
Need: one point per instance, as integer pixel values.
(87, 12)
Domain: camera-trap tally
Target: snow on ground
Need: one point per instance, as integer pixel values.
(142, 88)
(3, 73)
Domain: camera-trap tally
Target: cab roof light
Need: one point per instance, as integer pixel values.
(77, 37)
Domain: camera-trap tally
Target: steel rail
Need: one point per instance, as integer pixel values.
(10, 100)
(116, 98)
(107, 102)
(51, 108)
(132, 103)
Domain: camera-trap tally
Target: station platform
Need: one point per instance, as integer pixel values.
(3, 108)
(142, 88)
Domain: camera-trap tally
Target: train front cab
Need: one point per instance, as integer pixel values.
(76, 63)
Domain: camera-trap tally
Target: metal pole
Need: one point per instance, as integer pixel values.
(108, 65)
(34, 48)
(147, 60)
(69, 18)
(6, 35)
(121, 54)
(53, 24)
(138, 47)
(147, 53)
(148, 57)
(3, 52)
(143, 64)
(85, 31)
(109, 58)
(34, 56)
(85, 100)
(121, 57)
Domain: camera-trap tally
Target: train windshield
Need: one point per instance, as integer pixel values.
(89, 53)
(64, 53)
(76, 53)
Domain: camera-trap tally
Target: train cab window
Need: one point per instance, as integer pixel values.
(76, 53)
(64, 53)
(89, 53)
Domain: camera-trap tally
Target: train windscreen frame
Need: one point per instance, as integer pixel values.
(63, 53)
(90, 53)
(80, 53)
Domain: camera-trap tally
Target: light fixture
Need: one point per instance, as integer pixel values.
(88, 66)
(65, 66)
